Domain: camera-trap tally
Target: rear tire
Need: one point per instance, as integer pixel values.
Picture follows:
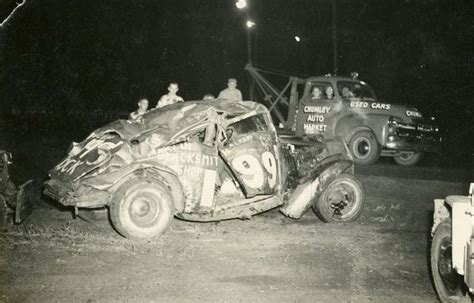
(408, 158)
(142, 208)
(364, 147)
(341, 201)
(449, 285)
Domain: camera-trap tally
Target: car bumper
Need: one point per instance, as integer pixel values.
(86, 197)
(417, 146)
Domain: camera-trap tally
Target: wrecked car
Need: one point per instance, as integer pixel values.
(203, 161)
(13, 202)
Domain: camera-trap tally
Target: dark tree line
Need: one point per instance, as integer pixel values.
(82, 56)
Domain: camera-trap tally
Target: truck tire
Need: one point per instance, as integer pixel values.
(341, 201)
(408, 158)
(449, 285)
(364, 147)
(142, 208)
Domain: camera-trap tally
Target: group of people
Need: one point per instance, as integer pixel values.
(317, 93)
(230, 93)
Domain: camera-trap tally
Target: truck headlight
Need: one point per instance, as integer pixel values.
(394, 120)
(392, 138)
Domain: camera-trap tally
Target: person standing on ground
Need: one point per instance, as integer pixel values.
(171, 97)
(231, 92)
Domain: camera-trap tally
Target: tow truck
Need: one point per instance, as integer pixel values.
(370, 128)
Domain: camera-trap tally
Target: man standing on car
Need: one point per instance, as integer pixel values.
(171, 97)
(231, 92)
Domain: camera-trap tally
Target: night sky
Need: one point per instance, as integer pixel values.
(79, 56)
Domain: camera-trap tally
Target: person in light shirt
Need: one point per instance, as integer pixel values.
(231, 92)
(142, 109)
(171, 97)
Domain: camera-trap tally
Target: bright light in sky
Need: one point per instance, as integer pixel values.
(250, 23)
(241, 4)
(297, 38)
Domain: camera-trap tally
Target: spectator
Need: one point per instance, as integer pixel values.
(171, 97)
(329, 92)
(346, 92)
(208, 97)
(316, 93)
(142, 109)
(231, 92)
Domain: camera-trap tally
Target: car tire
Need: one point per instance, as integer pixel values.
(408, 158)
(341, 201)
(142, 208)
(449, 285)
(364, 147)
(93, 215)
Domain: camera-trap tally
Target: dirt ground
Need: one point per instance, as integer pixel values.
(382, 257)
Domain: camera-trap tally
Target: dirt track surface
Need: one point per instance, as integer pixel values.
(382, 257)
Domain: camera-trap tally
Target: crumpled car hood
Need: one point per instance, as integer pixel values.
(173, 123)
(87, 156)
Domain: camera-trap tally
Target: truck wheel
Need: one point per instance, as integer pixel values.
(93, 215)
(364, 147)
(142, 208)
(408, 158)
(341, 201)
(448, 283)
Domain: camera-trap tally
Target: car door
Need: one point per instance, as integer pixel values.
(252, 154)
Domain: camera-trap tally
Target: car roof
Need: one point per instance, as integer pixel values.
(175, 118)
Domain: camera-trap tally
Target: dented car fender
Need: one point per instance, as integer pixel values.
(307, 192)
(169, 177)
(111, 182)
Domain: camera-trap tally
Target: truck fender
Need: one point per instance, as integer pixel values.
(170, 179)
(347, 126)
(306, 193)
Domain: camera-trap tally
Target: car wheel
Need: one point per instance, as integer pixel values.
(408, 158)
(448, 283)
(142, 208)
(341, 201)
(364, 147)
(93, 215)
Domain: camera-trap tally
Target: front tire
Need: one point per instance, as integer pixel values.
(341, 201)
(448, 283)
(408, 158)
(364, 147)
(142, 208)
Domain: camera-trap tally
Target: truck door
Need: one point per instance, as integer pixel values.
(317, 115)
(251, 153)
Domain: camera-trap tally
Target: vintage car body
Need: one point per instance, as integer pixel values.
(452, 247)
(202, 161)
